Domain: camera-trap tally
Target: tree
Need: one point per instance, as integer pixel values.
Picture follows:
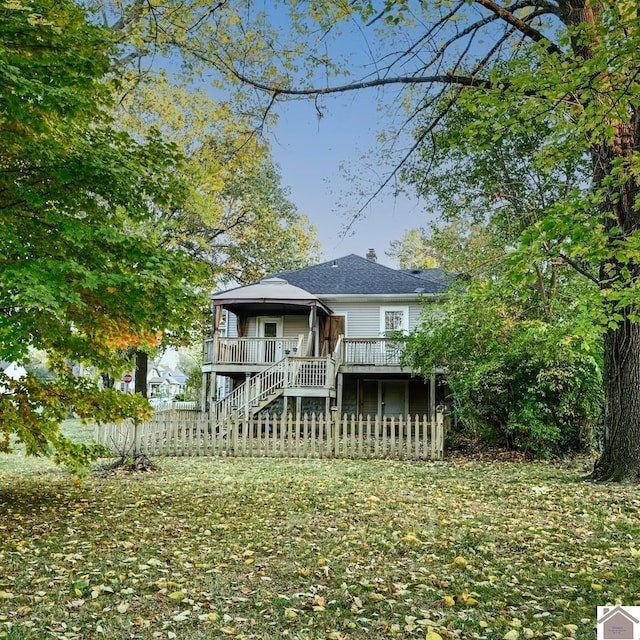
(524, 361)
(236, 219)
(80, 276)
(572, 63)
(460, 246)
(528, 383)
(413, 250)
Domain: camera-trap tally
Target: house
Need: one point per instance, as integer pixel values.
(322, 338)
(616, 623)
(12, 370)
(165, 382)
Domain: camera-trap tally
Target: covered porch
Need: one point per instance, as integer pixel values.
(275, 325)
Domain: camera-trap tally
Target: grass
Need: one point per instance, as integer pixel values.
(258, 548)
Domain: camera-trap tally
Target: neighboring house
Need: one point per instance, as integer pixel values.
(12, 370)
(164, 382)
(322, 338)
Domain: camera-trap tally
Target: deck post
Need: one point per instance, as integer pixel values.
(203, 395)
(247, 395)
(339, 388)
(213, 395)
(316, 337)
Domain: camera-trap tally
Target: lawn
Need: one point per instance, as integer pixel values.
(258, 548)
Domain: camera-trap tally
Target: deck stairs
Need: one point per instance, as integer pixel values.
(257, 392)
(251, 396)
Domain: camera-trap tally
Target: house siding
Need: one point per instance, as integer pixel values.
(363, 318)
(232, 326)
(295, 326)
(292, 327)
(360, 318)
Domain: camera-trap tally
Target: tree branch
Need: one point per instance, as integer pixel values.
(508, 17)
(579, 268)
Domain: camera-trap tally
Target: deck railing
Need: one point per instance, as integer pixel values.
(253, 392)
(358, 351)
(311, 372)
(372, 351)
(250, 350)
(267, 385)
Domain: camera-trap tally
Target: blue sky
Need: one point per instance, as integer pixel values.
(310, 152)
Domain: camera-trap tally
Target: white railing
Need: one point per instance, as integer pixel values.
(338, 352)
(250, 350)
(372, 351)
(309, 372)
(359, 351)
(265, 386)
(251, 393)
(188, 433)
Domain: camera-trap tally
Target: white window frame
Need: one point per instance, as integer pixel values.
(405, 323)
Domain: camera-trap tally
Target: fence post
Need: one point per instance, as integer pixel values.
(234, 423)
(337, 428)
(136, 438)
(440, 434)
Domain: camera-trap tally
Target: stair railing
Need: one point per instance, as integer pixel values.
(251, 393)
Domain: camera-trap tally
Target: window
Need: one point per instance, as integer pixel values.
(394, 319)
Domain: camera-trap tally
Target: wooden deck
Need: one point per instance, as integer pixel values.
(261, 352)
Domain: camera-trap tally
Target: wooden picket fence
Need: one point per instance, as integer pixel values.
(190, 433)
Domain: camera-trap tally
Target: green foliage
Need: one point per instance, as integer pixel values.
(412, 251)
(81, 275)
(525, 383)
(191, 365)
(458, 246)
(236, 218)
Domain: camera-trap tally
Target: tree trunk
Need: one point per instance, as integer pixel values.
(620, 459)
(107, 381)
(142, 366)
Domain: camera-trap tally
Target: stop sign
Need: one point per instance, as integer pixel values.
(127, 378)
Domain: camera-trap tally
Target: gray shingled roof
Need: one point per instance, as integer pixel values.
(355, 275)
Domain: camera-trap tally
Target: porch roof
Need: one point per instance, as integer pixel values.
(270, 294)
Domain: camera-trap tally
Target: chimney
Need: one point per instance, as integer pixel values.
(372, 255)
